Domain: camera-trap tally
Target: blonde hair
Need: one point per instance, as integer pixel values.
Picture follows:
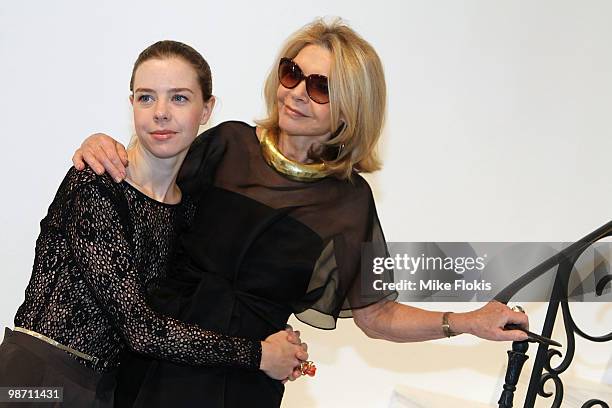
(357, 94)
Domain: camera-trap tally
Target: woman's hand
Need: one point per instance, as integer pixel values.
(294, 337)
(281, 353)
(488, 322)
(102, 153)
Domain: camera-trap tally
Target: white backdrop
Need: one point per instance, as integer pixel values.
(498, 130)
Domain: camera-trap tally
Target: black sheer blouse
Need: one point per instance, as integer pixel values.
(337, 218)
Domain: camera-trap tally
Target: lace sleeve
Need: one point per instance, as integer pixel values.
(97, 235)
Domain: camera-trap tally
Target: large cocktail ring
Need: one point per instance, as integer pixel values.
(308, 368)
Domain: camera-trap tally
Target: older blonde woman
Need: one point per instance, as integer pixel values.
(282, 215)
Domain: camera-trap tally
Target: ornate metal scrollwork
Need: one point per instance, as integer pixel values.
(543, 370)
(602, 284)
(553, 372)
(558, 389)
(594, 402)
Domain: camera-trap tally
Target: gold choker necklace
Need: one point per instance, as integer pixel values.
(291, 169)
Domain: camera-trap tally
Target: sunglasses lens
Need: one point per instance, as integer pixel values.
(289, 74)
(317, 88)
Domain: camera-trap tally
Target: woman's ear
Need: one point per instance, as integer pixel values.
(209, 105)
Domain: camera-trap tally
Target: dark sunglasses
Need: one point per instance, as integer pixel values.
(290, 75)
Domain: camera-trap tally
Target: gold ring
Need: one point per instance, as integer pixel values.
(517, 308)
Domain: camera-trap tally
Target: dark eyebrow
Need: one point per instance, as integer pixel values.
(181, 90)
(173, 90)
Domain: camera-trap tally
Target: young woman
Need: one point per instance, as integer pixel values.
(282, 215)
(103, 245)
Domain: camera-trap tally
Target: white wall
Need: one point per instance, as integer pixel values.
(498, 130)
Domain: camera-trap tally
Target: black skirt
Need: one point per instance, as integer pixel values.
(26, 361)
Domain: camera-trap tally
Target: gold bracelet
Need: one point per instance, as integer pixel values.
(446, 326)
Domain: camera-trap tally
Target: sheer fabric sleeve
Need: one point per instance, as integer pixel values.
(198, 169)
(343, 278)
(98, 236)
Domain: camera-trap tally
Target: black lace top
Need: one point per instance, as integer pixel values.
(100, 247)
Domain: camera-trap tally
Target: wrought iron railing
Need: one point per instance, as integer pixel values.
(543, 370)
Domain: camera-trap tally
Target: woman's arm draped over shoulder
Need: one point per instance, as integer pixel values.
(104, 154)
